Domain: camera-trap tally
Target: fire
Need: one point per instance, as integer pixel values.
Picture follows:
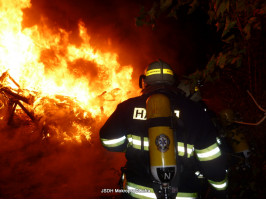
(68, 82)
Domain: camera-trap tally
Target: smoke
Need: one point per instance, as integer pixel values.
(183, 43)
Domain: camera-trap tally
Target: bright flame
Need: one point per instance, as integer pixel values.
(40, 60)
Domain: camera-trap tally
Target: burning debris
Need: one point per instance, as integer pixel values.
(38, 169)
(55, 89)
(11, 98)
(59, 116)
(58, 89)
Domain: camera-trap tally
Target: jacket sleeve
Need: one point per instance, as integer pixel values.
(113, 132)
(212, 160)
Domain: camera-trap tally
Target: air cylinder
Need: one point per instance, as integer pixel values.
(161, 138)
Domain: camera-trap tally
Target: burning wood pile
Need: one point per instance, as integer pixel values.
(11, 98)
(60, 84)
(57, 116)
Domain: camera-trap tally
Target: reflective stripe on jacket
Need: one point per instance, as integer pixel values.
(135, 142)
(139, 191)
(126, 131)
(219, 185)
(208, 153)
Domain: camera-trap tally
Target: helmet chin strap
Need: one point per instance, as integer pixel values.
(141, 78)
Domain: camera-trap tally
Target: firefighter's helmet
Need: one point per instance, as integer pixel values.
(156, 73)
(190, 90)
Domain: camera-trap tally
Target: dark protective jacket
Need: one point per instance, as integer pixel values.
(197, 148)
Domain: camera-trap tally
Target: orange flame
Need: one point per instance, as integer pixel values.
(40, 60)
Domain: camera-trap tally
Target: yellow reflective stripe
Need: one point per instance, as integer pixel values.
(114, 142)
(168, 71)
(209, 153)
(153, 71)
(136, 140)
(181, 149)
(158, 71)
(146, 144)
(185, 195)
(129, 138)
(139, 191)
(219, 185)
(190, 149)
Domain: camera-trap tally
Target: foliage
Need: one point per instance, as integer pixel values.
(235, 21)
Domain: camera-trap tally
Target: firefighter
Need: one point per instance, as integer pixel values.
(166, 137)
